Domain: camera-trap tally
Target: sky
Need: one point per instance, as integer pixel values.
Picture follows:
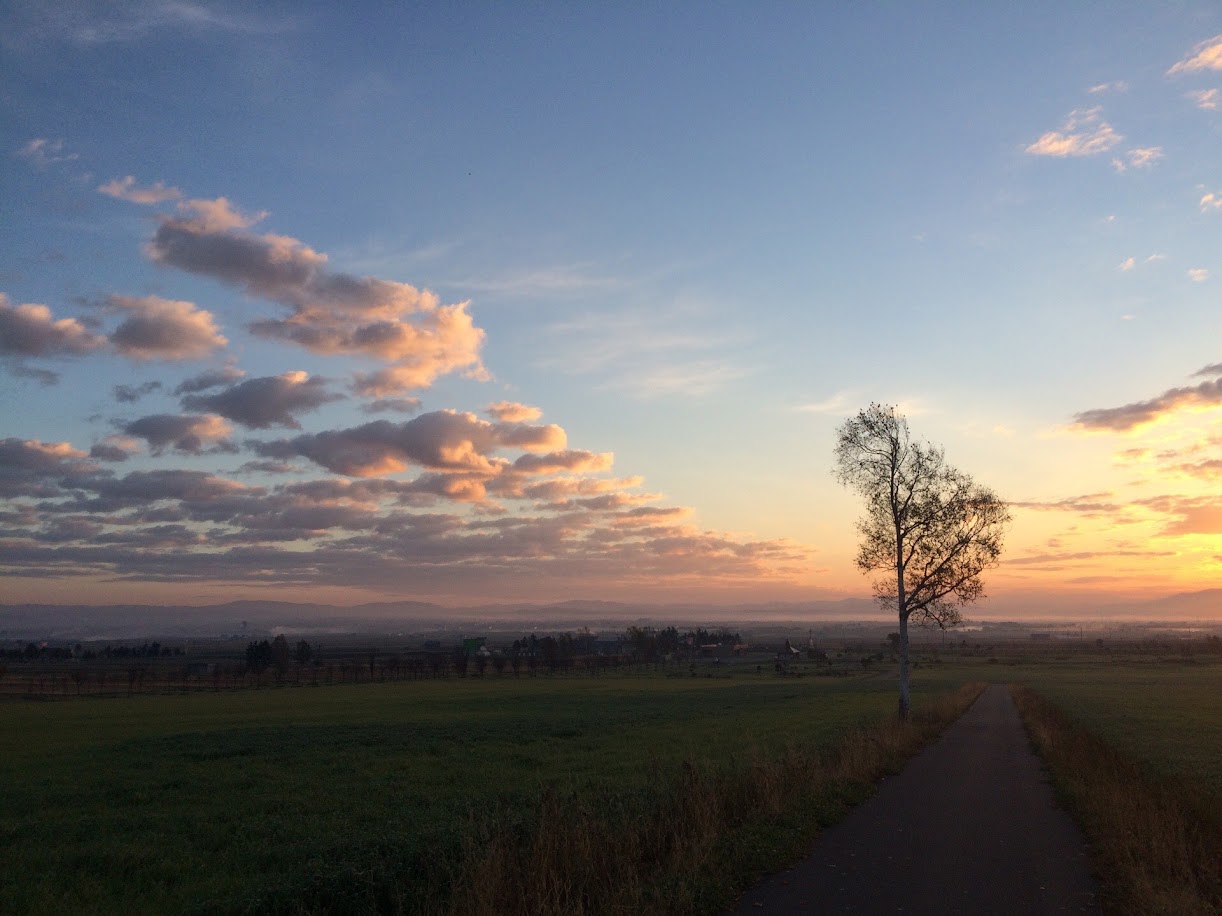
(524, 302)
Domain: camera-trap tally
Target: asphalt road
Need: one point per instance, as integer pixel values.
(969, 826)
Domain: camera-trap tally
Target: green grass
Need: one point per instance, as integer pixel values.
(351, 798)
(1164, 712)
(1157, 847)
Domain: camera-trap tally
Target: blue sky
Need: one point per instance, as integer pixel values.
(696, 236)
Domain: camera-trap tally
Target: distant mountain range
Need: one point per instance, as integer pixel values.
(252, 618)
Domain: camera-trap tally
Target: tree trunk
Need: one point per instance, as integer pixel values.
(905, 699)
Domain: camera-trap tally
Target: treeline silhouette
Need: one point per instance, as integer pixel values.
(152, 667)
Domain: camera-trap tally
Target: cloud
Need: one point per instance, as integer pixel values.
(571, 460)
(163, 329)
(42, 376)
(562, 488)
(1144, 157)
(30, 330)
(213, 378)
(1189, 515)
(1047, 559)
(259, 403)
(100, 24)
(183, 433)
(374, 534)
(192, 487)
(835, 406)
(444, 440)
(1130, 416)
(330, 312)
(1198, 274)
(691, 379)
(1206, 99)
(648, 354)
(41, 457)
(1211, 201)
(1084, 133)
(1088, 504)
(115, 448)
(1209, 469)
(1127, 264)
(127, 189)
(1114, 86)
(562, 280)
(130, 394)
(42, 152)
(1205, 56)
(392, 405)
(496, 503)
(269, 467)
(512, 412)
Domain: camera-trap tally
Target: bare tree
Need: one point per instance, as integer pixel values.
(929, 530)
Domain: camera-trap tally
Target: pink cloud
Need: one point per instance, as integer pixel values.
(329, 312)
(164, 329)
(127, 189)
(512, 412)
(1130, 416)
(31, 330)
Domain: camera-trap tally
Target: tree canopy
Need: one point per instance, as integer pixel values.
(929, 530)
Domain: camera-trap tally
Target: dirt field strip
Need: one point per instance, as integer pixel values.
(969, 826)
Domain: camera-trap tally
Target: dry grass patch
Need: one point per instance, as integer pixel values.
(704, 834)
(1157, 850)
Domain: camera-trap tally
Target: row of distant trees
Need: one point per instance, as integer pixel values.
(35, 652)
(276, 654)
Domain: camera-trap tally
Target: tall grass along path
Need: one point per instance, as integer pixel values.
(970, 826)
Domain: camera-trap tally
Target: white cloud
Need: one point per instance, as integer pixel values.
(647, 353)
(1207, 99)
(1198, 274)
(561, 279)
(41, 152)
(837, 406)
(692, 379)
(1205, 56)
(1127, 264)
(1144, 157)
(1114, 86)
(113, 23)
(1084, 133)
(1211, 201)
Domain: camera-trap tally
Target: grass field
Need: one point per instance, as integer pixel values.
(359, 797)
(1134, 745)
(1162, 710)
(426, 796)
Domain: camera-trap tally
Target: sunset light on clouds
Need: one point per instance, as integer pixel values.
(508, 303)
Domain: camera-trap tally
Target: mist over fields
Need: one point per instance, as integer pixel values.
(127, 621)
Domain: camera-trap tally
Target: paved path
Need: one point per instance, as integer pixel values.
(969, 826)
